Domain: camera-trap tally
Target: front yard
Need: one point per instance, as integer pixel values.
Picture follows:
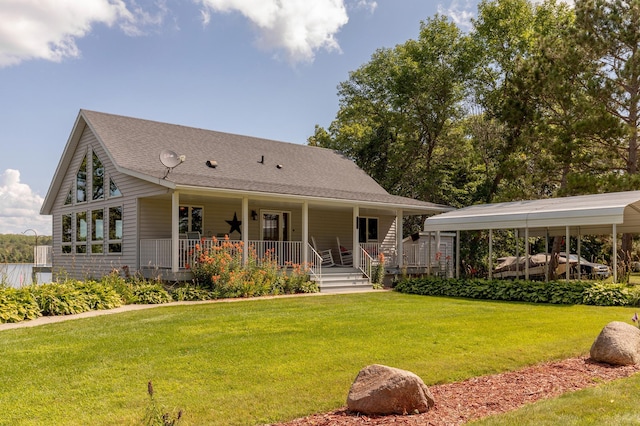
(264, 361)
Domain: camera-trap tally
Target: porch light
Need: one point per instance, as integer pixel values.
(254, 215)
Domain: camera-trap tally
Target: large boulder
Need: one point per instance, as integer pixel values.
(618, 344)
(382, 390)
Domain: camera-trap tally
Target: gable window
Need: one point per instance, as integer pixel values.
(69, 199)
(113, 189)
(81, 232)
(66, 233)
(115, 229)
(81, 182)
(190, 219)
(97, 178)
(367, 229)
(97, 231)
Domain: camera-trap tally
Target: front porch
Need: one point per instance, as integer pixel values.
(156, 260)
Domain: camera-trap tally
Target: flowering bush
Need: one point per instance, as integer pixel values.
(221, 269)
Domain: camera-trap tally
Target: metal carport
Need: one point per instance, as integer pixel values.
(598, 214)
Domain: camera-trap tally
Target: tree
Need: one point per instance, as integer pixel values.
(610, 30)
(398, 111)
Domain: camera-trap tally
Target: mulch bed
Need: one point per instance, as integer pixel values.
(460, 402)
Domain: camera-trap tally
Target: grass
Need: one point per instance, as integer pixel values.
(263, 361)
(613, 404)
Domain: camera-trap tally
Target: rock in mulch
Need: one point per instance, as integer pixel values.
(617, 344)
(382, 390)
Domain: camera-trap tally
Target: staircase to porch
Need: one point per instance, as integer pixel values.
(340, 279)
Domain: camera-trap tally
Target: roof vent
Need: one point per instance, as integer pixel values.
(212, 163)
(261, 160)
(279, 166)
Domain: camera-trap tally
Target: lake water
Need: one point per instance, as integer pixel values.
(19, 274)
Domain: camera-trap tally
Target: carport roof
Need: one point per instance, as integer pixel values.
(585, 214)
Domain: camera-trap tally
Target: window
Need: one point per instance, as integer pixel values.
(69, 199)
(115, 229)
(367, 229)
(81, 182)
(81, 232)
(113, 189)
(97, 178)
(66, 233)
(97, 231)
(190, 219)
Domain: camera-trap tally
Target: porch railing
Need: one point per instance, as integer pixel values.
(157, 252)
(315, 262)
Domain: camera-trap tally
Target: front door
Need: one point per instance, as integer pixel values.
(275, 225)
(275, 234)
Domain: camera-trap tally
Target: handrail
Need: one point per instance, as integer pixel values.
(366, 261)
(315, 262)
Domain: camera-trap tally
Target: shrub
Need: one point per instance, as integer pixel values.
(221, 270)
(605, 295)
(17, 305)
(60, 299)
(190, 293)
(151, 294)
(99, 295)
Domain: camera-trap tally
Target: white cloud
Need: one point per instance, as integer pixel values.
(298, 27)
(48, 29)
(460, 15)
(20, 206)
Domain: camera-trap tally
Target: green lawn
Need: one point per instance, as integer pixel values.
(261, 361)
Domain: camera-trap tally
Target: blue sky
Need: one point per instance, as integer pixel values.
(266, 68)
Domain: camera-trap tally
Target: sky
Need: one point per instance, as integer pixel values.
(265, 68)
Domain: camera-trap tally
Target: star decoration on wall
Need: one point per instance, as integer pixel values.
(235, 224)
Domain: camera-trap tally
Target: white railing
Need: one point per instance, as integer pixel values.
(366, 263)
(315, 262)
(156, 253)
(42, 255)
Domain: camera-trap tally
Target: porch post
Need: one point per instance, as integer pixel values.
(175, 234)
(547, 256)
(615, 253)
(356, 242)
(305, 232)
(399, 242)
(245, 229)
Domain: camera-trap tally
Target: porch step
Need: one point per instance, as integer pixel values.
(342, 280)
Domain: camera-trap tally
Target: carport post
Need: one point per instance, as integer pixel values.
(490, 253)
(547, 257)
(457, 254)
(567, 251)
(526, 254)
(615, 253)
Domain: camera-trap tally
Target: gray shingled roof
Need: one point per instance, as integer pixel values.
(135, 144)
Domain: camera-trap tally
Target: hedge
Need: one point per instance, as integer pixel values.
(555, 292)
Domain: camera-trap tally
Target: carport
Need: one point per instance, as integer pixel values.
(599, 214)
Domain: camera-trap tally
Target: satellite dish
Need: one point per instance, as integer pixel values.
(170, 160)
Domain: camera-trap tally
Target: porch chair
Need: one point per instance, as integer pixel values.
(346, 255)
(327, 257)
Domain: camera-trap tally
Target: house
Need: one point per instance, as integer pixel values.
(139, 194)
